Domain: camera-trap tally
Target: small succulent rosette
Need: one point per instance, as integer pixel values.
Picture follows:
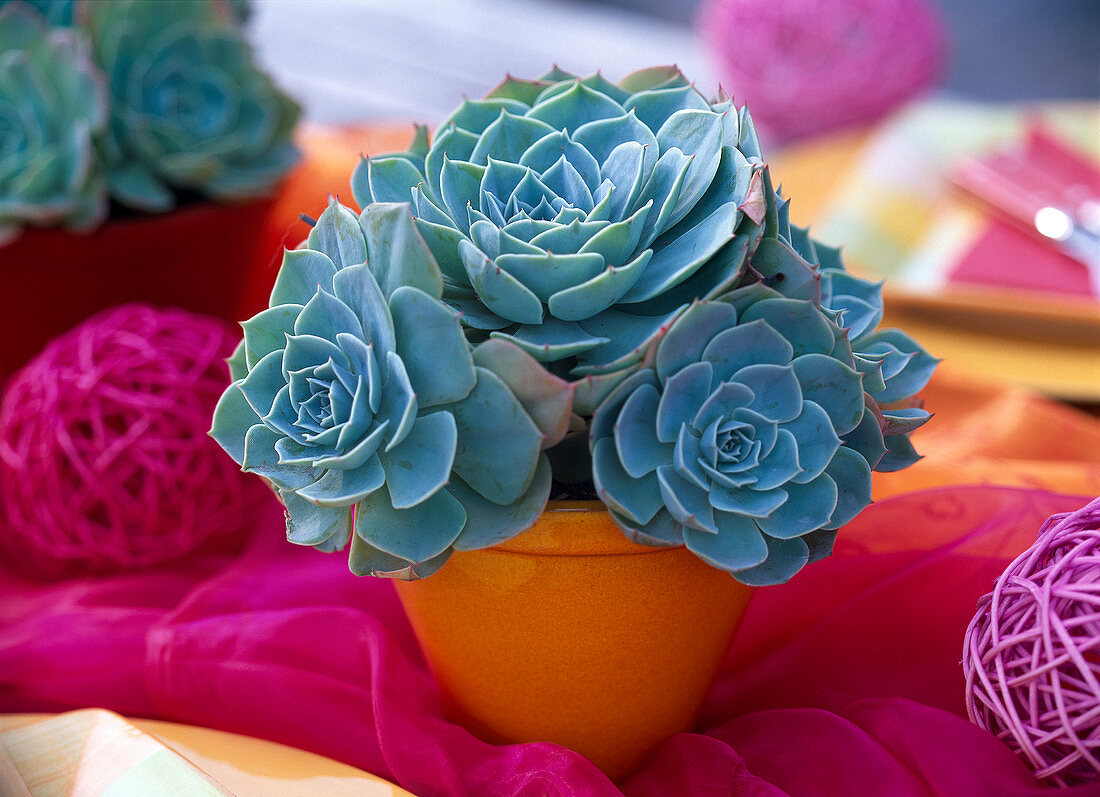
(359, 399)
(573, 216)
(190, 110)
(748, 437)
(895, 367)
(52, 105)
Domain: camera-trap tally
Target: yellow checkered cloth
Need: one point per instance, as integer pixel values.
(894, 210)
(90, 753)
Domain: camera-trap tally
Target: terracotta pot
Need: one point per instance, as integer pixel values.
(198, 257)
(572, 634)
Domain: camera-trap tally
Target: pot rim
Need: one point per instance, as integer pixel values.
(576, 528)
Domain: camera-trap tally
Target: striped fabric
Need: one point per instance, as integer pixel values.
(91, 753)
(895, 212)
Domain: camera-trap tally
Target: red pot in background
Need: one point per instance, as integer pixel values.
(199, 257)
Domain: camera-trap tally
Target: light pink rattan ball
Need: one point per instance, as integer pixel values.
(1032, 652)
(808, 66)
(105, 464)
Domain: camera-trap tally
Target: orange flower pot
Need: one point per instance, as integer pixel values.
(572, 634)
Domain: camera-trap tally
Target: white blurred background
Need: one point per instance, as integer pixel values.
(401, 60)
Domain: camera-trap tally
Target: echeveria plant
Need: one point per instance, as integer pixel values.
(602, 270)
(189, 108)
(746, 437)
(358, 397)
(52, 104)
(573, 216)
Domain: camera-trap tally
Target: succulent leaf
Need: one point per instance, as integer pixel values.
(310, 525)
(547, 399)
(302, 272)
(896, 367)
(396, 253)
(337, 234)
(489, 523)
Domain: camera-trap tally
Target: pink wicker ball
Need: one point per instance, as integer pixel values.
(105, 464)
(807, 66)
(1032, 652)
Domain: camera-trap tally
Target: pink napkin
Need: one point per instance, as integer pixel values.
(1042, 170)
(1005, 257)
(846, 681)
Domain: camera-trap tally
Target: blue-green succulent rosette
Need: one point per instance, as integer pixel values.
(574, 216)
(53, 104)
(357, 396)
(190, 109)
(747, 436)
(895, 367)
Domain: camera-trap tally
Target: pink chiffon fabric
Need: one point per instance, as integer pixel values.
(846, 681)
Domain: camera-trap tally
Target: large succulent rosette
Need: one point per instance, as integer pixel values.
(358, 398)
(52, 104)
(190, 110)
(894, 366)
(747, 437)
(572, 216)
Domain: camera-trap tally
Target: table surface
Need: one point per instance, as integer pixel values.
(250, 767)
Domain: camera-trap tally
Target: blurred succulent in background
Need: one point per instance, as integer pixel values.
(52, 103)
(573, 216)
(58, 13)
(358, 397)
(144, 101)
(747, 437)
(190, 111)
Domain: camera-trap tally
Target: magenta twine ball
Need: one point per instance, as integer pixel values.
(1032, 652)
(105, 461)
(807, 66)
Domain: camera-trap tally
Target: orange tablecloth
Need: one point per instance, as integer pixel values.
(989, 433)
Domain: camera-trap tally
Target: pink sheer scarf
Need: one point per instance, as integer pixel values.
(845, 681)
